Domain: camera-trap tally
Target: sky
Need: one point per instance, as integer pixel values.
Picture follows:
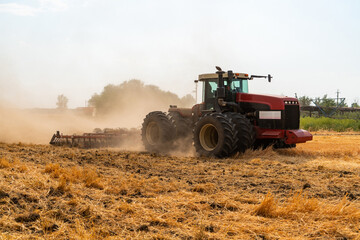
(75, 48)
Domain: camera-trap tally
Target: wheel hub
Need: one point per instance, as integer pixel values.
(208, 137)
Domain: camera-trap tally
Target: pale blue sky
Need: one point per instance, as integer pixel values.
(52, 47)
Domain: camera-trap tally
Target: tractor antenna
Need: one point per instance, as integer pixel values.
(218, 68)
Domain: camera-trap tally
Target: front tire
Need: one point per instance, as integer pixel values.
(158, 132)
(215, 136)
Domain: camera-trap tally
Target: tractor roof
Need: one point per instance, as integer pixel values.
(207, 76)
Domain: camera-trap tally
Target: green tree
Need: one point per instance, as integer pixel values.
(62, 102)
(304, 100)
(317, 101)
(327, 102)
(355, 104)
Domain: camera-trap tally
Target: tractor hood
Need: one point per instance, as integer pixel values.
(273, 101)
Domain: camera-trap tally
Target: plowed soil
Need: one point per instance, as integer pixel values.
(311, 192)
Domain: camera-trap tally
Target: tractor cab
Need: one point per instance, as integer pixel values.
(238, 84)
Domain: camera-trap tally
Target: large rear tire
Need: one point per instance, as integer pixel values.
(245, 131)
(215, 136)
(182, 125)
(158, 132)
(183, 140)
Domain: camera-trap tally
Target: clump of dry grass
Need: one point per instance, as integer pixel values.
(298, 203)
(125, 208)
(88, 176)
(344, 208)
(53, 169)
(4, 163)
(16, 164)
(62, 188)
(267, 207)
(92, 179)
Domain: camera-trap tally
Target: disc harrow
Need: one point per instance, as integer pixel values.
(97, 139)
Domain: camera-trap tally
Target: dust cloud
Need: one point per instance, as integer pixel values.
(127, 104)
(118, 106)
(31, 126)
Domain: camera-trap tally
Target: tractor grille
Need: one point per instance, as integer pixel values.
(292, 117)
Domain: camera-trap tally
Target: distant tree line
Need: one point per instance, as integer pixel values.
(325, 101)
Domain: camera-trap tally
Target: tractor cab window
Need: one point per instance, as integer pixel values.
(210, 87)
(238, 86)
(209, 93)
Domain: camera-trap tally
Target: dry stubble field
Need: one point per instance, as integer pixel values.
(311, 192)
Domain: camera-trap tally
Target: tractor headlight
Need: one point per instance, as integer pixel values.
(291, 102)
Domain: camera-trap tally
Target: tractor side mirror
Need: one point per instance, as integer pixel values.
(269, 78)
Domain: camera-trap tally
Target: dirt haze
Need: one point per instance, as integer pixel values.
(29, 126)
(118, 106)
(25, 126)
(127, 104)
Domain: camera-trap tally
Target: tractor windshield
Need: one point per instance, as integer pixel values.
(210, 87)
(238, 85)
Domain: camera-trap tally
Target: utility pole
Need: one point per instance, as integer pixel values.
(337, 97)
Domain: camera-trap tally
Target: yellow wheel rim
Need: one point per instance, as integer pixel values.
(208, 137)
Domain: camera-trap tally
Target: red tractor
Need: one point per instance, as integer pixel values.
(229, 120)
